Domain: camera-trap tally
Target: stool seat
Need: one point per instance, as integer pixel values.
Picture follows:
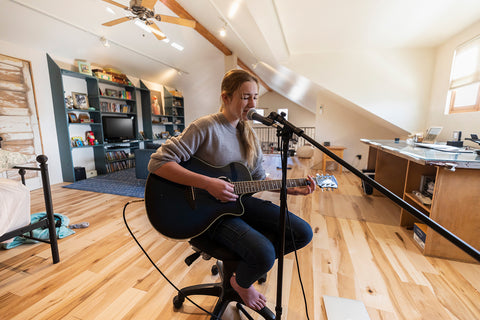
(213, 249)
(227, 262)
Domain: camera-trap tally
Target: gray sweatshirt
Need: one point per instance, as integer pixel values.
(210, 138)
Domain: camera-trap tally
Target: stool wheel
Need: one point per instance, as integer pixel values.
(214, 270)
(178, 301)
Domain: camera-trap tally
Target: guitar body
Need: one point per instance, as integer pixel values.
(182, 212)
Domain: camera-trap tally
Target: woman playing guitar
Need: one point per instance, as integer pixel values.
(220, 139)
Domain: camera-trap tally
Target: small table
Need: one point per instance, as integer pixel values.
(337, 150)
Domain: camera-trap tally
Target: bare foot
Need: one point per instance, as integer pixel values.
(250, 296)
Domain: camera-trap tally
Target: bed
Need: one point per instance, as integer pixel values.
(16, 211)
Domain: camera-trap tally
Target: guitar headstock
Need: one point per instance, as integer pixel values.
(326, 182)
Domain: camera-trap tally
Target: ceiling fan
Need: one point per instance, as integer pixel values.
(143, 10)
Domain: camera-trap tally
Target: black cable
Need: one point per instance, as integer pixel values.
(298, 265)
(153, 263)
(296, 256)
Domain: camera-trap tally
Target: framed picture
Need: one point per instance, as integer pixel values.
(15, 126)
(84, 67)
(111, 92)
(72, 117)
(165, 135)
(80, 100)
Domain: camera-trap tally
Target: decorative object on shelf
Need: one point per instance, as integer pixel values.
(84, 67)
(80, 100)
(72, 117)
(100, 74)
(84, 118)
(176, 132)
(111, 93)
(176, 93)
(117, 76)
(90, 137)
(155, 106)
(77, 142)
(165, 135)
(69, 102)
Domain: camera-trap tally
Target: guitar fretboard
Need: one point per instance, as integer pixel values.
(242, 187)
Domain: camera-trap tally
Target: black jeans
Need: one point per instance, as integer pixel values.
(254, 236)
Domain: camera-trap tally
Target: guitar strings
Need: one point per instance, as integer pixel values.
(153, 263)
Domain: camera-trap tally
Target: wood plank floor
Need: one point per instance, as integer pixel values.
(358, 252)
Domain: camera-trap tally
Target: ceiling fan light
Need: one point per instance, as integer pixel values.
(166, 40)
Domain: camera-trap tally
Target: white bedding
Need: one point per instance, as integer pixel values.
(14, 205)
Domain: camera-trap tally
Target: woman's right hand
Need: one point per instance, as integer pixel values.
(222, 190)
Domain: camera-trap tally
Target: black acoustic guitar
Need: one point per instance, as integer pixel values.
(183, 212)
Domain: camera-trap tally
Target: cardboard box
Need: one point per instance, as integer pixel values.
(420, 234)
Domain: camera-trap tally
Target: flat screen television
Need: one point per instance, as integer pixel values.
(117, 129)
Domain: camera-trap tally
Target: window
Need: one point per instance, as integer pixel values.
(464, 92)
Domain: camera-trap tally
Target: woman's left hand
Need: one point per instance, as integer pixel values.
(303, 190)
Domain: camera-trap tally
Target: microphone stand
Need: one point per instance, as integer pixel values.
(286, 133)
(467, 248)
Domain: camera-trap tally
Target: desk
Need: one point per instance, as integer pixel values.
(399, 167)
(337, 151)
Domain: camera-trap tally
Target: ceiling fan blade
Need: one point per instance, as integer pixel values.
(176, 20)
(116, 4)
(116, 21)
(148, 3)
(157, 32)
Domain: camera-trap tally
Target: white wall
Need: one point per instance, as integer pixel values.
(339, 122)
(393, 84)
(466, 122)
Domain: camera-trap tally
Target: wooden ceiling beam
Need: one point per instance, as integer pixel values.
(182, 13)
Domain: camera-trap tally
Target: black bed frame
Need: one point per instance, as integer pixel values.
(49, 221)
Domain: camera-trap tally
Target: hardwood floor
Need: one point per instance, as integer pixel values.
(358, 252)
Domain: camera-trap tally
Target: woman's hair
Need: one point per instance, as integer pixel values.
(232, 80)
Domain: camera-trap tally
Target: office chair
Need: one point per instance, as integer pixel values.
(226, 264)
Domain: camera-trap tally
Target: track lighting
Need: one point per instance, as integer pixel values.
(105, 42)
(223, 31)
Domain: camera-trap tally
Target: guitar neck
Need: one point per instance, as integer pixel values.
(242, 187)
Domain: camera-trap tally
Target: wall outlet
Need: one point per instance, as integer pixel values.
(359, 156)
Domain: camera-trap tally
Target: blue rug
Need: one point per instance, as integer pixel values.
(123, 183)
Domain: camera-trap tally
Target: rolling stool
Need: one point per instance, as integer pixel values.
(226, 264)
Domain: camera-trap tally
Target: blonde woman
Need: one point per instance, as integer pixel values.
(220, 139)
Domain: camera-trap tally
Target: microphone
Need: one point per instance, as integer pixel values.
(253, 115)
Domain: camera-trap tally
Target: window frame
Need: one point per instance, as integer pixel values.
(461, 82)
(461, 109)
